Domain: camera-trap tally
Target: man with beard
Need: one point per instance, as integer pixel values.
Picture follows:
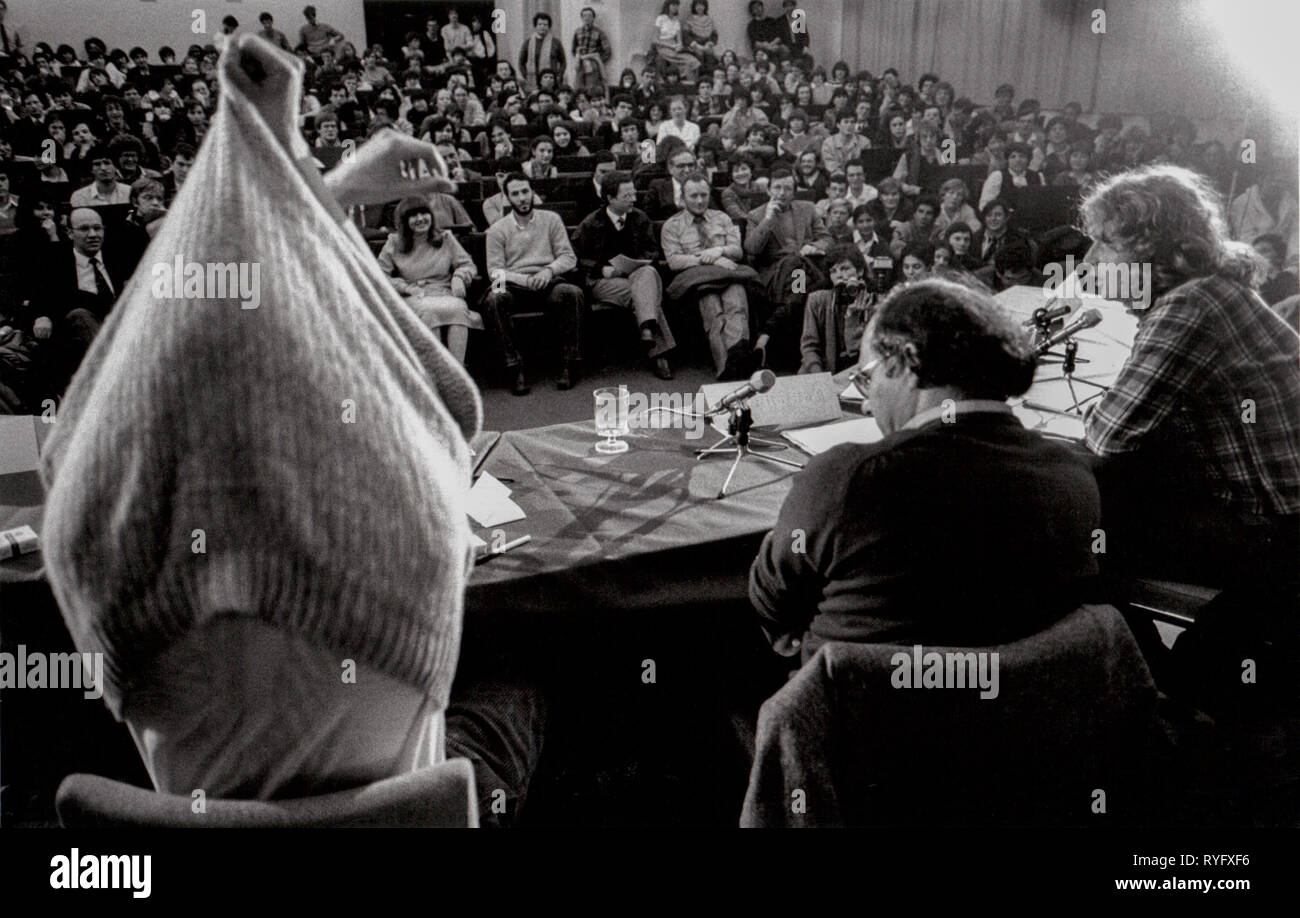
(528, 252)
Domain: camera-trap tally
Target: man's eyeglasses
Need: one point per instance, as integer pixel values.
(861, 377)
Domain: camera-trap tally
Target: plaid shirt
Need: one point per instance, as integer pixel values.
(591, 40)
(1201, 351)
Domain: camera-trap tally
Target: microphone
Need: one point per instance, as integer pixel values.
(1089, 318)
(759, 382)
(1046, 316)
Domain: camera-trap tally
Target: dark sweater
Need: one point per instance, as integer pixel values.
(973, 532)
(595, 241)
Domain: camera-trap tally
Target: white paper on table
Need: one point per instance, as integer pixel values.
(1069, 426)
(816, 440)
(18, 452)
(475, 542)
(490, 503)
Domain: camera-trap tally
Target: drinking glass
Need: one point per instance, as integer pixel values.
(611, 419)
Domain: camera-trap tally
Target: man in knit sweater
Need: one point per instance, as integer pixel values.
(257, 515)
(960, 526)
(528, 252)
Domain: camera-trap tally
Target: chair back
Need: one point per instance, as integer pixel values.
(855, 738)
(441, 796)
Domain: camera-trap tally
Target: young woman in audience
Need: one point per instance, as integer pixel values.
(668, 43)
(433, 272)
(897, 137)
(541, 164)
(914, 262)
(655, 117)
(758, 146)
(700, 34)
(499, 144)
(958, 238)
(821, 89)
(1077, 174)
(742, 195)
(953, 208)
(1056, 150)
(677, 125)
(565, 144)
(891, 209)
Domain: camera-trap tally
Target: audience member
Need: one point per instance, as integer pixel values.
(703, 249)
(528, 254)
(616, 250)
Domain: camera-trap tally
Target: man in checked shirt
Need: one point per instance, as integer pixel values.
(1199, 437)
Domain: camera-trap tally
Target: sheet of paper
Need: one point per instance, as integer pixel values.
(851, 394)
(1051, 423)
(475, 542)
(490, 503)
(815, 440)
(625, 265)
(795, 401)
(18, 452)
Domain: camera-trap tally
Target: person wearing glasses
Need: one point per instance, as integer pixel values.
(897, 545)
(667, 195)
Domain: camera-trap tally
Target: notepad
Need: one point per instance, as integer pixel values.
(816, 440)
(490, 503)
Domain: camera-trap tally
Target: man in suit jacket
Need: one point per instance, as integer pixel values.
(666, 194)
(784, 236)
(619, 229)
(72, 294)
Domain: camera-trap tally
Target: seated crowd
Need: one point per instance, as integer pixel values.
(814, 221)
(792, 160)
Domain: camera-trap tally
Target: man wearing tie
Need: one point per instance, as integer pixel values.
(666, 194)
(703, 246)
(607, 236)
(73, 295)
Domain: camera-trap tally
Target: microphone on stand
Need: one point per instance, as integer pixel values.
(1044, 316)
(1089, 318)
(760, 382)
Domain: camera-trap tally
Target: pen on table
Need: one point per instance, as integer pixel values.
(492, 553)
(482, 460)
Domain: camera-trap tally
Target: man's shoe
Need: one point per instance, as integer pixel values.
(647, 338)
(662, 369)
(737, 366)
(520, 386)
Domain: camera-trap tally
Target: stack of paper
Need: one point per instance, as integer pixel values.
(815, 440)
(490, 503)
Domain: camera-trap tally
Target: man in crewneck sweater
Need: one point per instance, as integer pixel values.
(528, 251)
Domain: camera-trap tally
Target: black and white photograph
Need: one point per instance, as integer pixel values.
(578, 418)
